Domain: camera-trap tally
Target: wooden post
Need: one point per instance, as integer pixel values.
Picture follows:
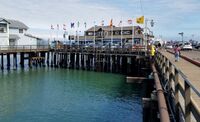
(176, 79)
(47, 61)
(30, 60)
(22, 59)
(55, 60)
(2, 61)
(187, 98)
(163, 65)
(8, 61)
(77, 61)
(170, 75)
(15, 60)
(166, 68)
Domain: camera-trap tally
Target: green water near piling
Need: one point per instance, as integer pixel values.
(63, 95)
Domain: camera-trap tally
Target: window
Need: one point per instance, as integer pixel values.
(127, 32)
(3, 28)
(90, 34)
(20, 30)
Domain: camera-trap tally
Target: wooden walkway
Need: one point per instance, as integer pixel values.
(191, 72)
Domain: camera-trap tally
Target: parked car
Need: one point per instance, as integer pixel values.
(197, 46)
(168, 46)
(186, 46)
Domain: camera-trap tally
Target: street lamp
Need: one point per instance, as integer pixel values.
(181, 35)
(146, 28)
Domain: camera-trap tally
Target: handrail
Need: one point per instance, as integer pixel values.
(16, 48)
(166, 68)
(164, 115)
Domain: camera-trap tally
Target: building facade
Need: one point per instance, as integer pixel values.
(116, 34)
(13, 33)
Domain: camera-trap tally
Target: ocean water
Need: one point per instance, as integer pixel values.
(63, 95)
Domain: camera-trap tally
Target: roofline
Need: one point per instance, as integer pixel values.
(5, 20)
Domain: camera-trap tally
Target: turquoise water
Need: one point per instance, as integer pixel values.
(62, 95)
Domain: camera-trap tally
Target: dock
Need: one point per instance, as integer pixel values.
(180, 80)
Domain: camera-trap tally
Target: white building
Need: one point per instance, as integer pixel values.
(13, 32)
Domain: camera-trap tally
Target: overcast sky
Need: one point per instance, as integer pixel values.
(170, 16)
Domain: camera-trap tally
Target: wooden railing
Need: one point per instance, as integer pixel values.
(181, 89)
(23, 48)
(75, 49)
(82, 49)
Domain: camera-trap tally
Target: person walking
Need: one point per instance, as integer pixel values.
(177, 52)
(152, 53)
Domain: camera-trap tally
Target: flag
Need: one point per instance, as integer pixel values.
(130, 22)
(111, 22)
(102, 23)
(57, 26)
(52, 27)
(78, 24)
(72, 25)
(140, 20)
(64, 27)
(120, 23)
(85, 24)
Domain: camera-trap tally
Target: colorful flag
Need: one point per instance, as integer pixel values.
(130, 22)
(111, 22)
(57, 26)
(72, 25)
(52, 27)
(78, 24)
(120, 23)
(102, 23)
(85, 24)
(64, 27)
(140, 20)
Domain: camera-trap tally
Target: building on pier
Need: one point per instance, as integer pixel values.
(13, 33)
(106, 33)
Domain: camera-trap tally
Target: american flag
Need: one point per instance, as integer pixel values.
(130, 21)
(64, 27)
(57, 26)
(72, 25)
(120, 23)
(52, 27)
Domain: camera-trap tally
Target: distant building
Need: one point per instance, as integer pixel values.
(13, 32)
(106, 33)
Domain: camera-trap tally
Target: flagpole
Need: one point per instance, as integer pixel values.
(85, 33)
(121, 32)
(102, 24)
(94, 34)
(57, 30)
(78, 33)
(133, 34)
(51, 33)
(111, 34)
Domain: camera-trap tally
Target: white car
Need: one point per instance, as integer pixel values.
(186, 46)
(168, 46)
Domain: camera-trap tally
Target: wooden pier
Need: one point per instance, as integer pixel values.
(180, 79)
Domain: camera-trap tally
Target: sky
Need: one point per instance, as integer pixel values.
(170, 16)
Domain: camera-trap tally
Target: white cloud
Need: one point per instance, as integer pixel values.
(168, 14)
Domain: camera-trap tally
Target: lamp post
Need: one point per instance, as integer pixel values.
(181, 35)
(146, 28)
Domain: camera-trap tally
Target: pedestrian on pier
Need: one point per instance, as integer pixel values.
(177, 52)
(152, 52)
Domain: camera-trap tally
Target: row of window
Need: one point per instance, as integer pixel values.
(4, 30)
(114, 33)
